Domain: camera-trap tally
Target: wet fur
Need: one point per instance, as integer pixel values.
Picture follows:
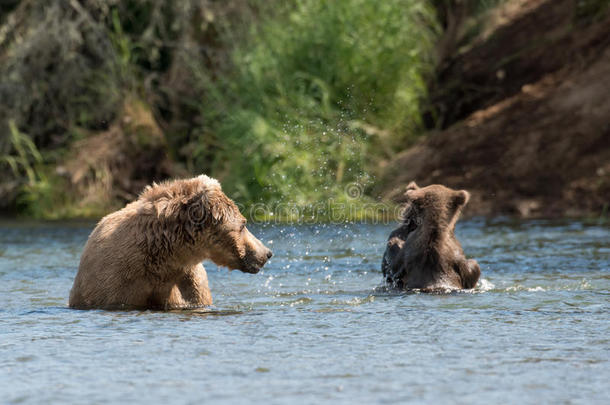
(423, 252)
(148, 255)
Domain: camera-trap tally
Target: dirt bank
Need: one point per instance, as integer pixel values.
(536, 138)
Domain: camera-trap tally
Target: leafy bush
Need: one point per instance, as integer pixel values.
(57, 71)
(320, 92)
(283, 101)
(67, 67)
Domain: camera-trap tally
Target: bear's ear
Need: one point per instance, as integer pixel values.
(209, 205)
(209, 182)
(146, 208)
(193, 211)
(415, 195)
(412, 192)
(412, 186)
(219, 206)
(460, 198)
(219, 213)
(160, 206)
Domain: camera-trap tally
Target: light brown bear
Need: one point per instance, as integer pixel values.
(423, 252)
(148, 255)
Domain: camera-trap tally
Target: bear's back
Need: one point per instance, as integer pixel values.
(430, 255)
(111, 259)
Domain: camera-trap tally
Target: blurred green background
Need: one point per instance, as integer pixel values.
(282, 101)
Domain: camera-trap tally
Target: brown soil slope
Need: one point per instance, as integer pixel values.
(544, 149)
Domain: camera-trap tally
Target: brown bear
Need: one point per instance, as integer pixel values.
(423, 252)
(148, 255)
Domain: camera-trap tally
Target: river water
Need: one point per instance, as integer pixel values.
(314, 326)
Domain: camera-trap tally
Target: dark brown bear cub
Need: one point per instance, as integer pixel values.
(423, 252)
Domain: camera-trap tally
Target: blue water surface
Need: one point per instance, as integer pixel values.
(314, 327)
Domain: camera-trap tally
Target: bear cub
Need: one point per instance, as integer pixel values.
(423, 252)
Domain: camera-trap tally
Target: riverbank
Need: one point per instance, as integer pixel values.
(527, 119)
(288, 110)
(283, 102)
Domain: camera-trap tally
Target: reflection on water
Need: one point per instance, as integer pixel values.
(315, 325)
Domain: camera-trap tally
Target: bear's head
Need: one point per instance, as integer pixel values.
(433, 206)
(196, 214)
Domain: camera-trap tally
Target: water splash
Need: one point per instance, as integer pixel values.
(484, 285)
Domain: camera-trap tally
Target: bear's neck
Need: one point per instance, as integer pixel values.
(186, 256)
(433, 231)
(175, 260)
(168, 256)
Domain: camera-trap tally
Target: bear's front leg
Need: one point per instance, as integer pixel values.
(194, 289)
(392, 259)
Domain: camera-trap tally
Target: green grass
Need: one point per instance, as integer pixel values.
(318, 94)
(303, 99)
(26, 166)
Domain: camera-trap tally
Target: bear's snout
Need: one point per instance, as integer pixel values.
(256, 256)
(254, 262)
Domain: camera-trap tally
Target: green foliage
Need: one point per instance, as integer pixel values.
(24, 156)
(283, 101)
(40, 192)
(319, 92)
(26, 165)
(57, 71)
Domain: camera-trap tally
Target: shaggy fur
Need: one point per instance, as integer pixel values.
(423, 251)
(148, 255)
